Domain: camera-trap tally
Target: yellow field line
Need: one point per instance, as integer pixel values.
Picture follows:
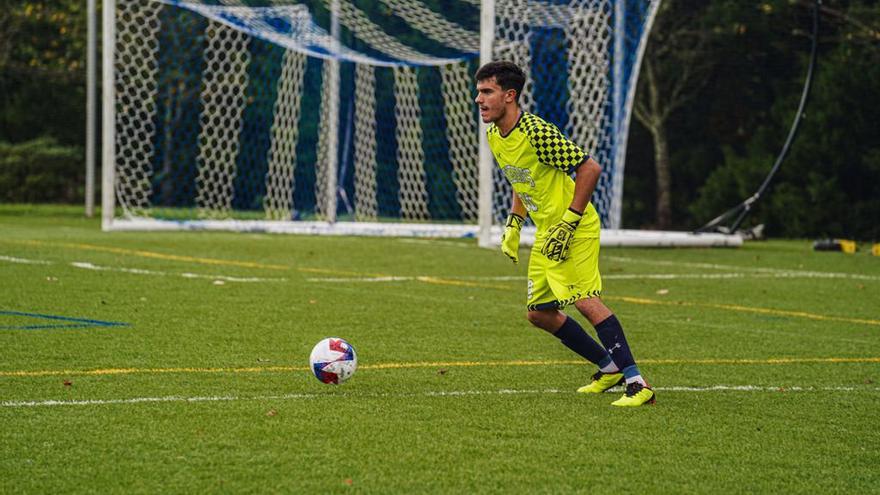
(459, 283)
(430, 364)
(744, 309)
(176, 257)
(801, 314)
(155, 255)
(340, 272)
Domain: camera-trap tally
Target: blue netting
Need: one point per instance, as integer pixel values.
(179, 114)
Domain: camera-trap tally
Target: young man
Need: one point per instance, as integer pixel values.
(564, 263)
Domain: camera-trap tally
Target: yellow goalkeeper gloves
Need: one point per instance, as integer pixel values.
(559, 236)
(510, 237)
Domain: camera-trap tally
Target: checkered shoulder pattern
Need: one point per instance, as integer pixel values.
(552, 147)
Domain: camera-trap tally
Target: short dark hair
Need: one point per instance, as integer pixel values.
(508, 75)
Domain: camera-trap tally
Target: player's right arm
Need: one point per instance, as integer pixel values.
(512, 227)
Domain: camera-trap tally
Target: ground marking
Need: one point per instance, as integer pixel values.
(784, 272)
(440, 393)
(190, 259)
(362, 277)
(465, 281)
(744, 309)
(141, 271)
(155, 255)
(434, 242)
(633, 300)
(24, 261)
(768, 272)
(430, 364)
(68, 322)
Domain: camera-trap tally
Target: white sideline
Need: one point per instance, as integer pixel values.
(613, 276)
(449, 393)
(23, 261)
(141, 271)
(610, 237)
(765, 271)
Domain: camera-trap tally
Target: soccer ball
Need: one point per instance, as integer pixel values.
(333, 360)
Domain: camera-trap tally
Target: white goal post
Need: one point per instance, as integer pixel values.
(349, 117)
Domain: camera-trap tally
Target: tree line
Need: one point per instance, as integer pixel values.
(719, 89)
(720, 83)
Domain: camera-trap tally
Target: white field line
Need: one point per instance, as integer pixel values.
(438, 243)
(449, 393)
(782, 272)
(139, 271)
(629, 276)
(24, 261)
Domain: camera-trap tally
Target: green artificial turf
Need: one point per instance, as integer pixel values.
(181, 367)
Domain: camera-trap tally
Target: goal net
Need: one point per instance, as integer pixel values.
(347, 116)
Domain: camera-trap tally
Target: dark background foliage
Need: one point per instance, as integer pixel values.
(746, 63)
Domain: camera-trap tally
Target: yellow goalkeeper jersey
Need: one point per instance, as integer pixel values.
(537, 160)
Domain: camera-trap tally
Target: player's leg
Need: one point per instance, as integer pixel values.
(611, 334)
(582, 272)
(544, 313)
(569, 282)
(570, 333)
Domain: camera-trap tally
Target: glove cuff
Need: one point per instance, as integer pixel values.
(571, 216)
(515, 221)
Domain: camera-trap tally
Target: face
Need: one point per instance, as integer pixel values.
(493, 100)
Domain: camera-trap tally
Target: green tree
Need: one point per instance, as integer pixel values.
(830, 182)
(42, 70)
(675, 69)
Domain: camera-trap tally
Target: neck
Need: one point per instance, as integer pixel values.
(506, 123)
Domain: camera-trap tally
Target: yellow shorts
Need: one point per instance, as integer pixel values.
(555, 285)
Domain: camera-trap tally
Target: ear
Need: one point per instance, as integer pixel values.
(510, 96)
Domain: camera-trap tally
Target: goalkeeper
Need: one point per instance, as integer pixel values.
(537, 160)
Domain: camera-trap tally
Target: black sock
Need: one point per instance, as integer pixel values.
(611, 334)
(575, 338)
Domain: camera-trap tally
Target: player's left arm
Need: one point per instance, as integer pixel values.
(561, 234)
(585, 180)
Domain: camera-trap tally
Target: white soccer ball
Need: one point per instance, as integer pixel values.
(333, 360)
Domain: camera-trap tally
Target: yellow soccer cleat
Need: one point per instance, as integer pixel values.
(636, 395)
(601, 382)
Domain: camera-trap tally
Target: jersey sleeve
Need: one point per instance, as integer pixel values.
(552, 147)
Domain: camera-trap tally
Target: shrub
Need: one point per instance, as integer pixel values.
(41, 171)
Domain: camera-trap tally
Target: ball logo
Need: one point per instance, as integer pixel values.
(333, 360)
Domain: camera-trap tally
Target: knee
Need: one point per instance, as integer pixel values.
(593, 310)
(534, 317)
(538, 319)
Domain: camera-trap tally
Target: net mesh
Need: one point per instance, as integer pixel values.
(251, 110)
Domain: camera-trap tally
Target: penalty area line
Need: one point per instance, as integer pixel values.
(429, 394)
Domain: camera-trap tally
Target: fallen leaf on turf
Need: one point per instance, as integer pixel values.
(663, 292)
(348, 481)
(68, 383)
(272, 412)
(441, 372)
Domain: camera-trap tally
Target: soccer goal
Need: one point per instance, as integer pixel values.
(346, 116)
